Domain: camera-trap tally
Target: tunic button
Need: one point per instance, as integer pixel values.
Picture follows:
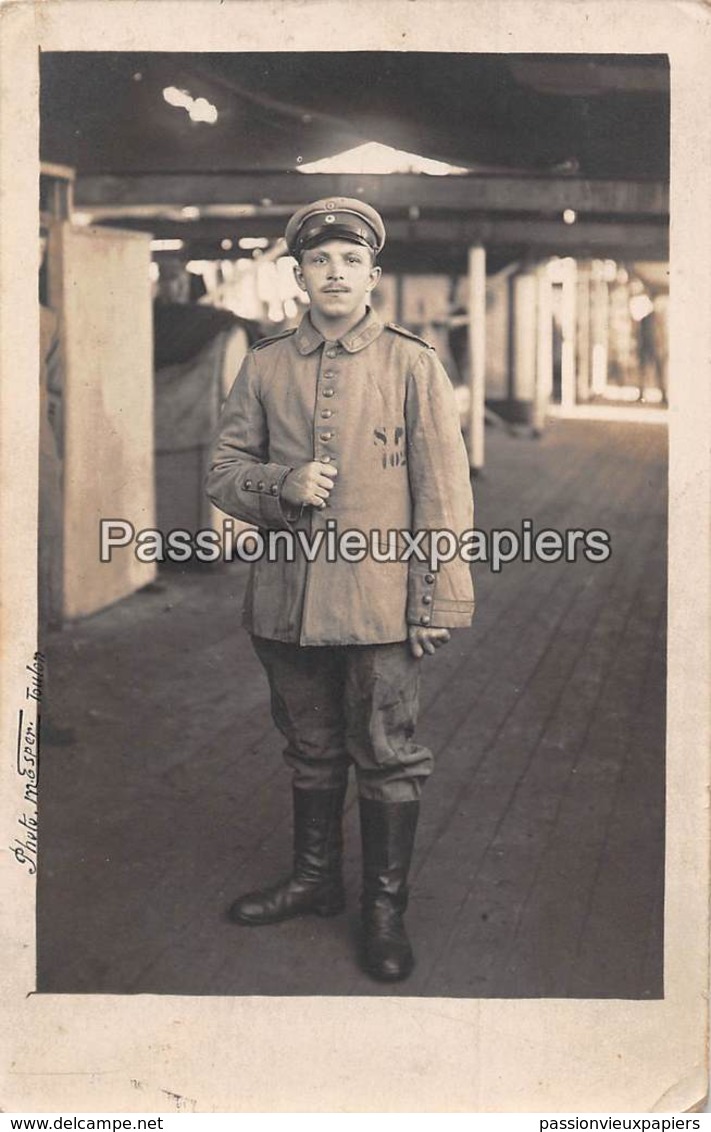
(326, 435)
(429, 578)
(260, 485)
(325, 459)
(331, 353)
(329, 373)
(328, 393)
(427, 599)
(247, 483)
(274, 489)
(327, 413)
(425, 620)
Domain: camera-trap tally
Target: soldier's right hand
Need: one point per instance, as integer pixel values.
(310, 484)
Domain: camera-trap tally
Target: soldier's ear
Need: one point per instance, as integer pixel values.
(299, 276)
(375, 272)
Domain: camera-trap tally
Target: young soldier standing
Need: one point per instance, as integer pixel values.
(350, 420)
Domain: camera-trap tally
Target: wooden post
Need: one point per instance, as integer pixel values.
(107, 410)
(583, 376)
(600, 318)
(544, 351)
(477, 355)
(567, 391)
(523, 338)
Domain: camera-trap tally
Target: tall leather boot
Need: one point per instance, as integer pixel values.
(388, 836)
(316, 884)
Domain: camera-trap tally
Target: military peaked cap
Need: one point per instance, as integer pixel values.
(336, 218)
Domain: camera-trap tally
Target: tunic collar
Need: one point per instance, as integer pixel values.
(308, 338)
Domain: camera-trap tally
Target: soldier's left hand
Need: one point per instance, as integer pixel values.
(426, 640)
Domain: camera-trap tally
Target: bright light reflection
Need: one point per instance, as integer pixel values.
(285, 267)
(248, 243)
(203, 111)
(640, 307)
(652, 395)
(175, 97)
(167, 245)
(560, 270)
(372, 157)
(621, 393)
(609, 271)
(198, 109)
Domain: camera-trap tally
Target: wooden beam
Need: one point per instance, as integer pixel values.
(393, 192)
(442, 239)
(447, 239)
(573, 76)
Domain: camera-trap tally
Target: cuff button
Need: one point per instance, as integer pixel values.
(425, 620)
(427, 599)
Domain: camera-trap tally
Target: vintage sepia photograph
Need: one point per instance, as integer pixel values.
(355, 566)
(409, 278)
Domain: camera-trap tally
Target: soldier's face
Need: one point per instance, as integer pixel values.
(338, 276)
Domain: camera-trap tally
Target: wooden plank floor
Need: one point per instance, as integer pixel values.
(539, 862)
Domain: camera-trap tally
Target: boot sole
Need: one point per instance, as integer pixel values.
(323, 910)
(384, 977)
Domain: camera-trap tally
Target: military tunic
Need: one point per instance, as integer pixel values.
(378, 405)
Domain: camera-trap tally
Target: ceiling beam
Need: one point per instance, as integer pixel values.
(396, 192)
(580, 76)
(452, 236)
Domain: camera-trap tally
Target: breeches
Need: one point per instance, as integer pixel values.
(344, 704)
